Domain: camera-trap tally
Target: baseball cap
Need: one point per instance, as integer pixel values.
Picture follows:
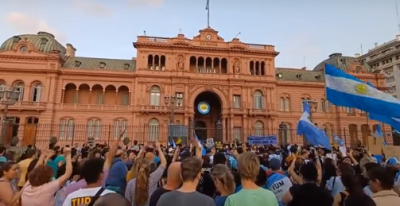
(392, 161)
(275, 164)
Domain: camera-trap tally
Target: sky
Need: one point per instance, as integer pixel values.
(304, 32)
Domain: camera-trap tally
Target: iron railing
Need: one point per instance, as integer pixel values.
(39, 134)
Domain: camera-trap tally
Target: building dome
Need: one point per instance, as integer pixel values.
(42, 41)
(337, 60)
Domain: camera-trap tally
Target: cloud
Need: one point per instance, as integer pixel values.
(24, 24)
(92, 8)
(138, 3)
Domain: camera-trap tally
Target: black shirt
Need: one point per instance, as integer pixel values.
(310, 194)
(206, 185)
(156, 196)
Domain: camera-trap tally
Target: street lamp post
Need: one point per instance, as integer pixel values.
(7, 97)
(171, 101)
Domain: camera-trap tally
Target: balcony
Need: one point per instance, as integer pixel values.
(27, 105)
(238, 111)
(258, 112)
(94, 107)
(161, 109)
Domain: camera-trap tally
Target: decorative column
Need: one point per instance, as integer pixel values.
(230, 126)
(116, 97)
(76, 100)
(90, 96)
(224, 127)
(62, 95)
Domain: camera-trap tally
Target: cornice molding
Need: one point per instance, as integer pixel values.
(302, 84)
(206, 49)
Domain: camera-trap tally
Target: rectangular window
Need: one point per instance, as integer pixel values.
(63, 126)
(120, 126)
(71, 129)
(237, 101)
(100, 98)
(237, 133)
(155, 99)
(125, 99)
(258, 102)
(97, 129)
(75, 98)
(287, 104)
(37, 92)
(179, 95)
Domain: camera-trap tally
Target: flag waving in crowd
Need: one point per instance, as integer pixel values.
(313, 134)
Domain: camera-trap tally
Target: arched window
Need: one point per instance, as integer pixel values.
(258, 129)
(36, 92)
(258, 100)
(19, 87)
(67, 129)
(329, 107)
(2, 86)
(323, 105)
(94, 128)
(284, 133)
(155, 96)
(353, 131)
(282, 104)
(287, 104)
(120, 126)
(154, 129)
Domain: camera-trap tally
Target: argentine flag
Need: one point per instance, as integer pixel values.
(314, 135)
(203, 150)
(379, 134)
(394, 122)
(345, 90)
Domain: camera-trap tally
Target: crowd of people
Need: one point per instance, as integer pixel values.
(157, 175)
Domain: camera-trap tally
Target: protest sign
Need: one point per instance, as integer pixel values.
(391, 151)
(374, 145)
(262, 140)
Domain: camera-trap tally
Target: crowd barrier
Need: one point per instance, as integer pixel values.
(39, 134)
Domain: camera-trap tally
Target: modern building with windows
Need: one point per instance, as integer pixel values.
(385, 59)
(226, 89)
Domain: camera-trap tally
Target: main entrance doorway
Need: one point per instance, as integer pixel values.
(207, 117)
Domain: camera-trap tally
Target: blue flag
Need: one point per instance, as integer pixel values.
(379, 134)
(203, 150)
(314, 135)
(345, 90)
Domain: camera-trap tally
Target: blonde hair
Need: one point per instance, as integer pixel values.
(141, 195)
(134, 170)
(248, 165)
(224, 175)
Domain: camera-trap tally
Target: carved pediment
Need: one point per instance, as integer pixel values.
(208, 34)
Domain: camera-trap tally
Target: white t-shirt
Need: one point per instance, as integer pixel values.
(83, 196)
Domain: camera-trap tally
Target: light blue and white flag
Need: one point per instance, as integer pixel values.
(314, 135)
(379, 134)
(345, 90)
(394, 122)
(203, 150)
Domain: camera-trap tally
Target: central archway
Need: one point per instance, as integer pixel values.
(207, 116)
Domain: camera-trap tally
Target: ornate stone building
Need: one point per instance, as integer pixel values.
(230, 89)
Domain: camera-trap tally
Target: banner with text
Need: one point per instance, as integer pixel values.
(262, 140)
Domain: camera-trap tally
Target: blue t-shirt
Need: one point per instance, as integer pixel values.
(3, 159)
(220, 200)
